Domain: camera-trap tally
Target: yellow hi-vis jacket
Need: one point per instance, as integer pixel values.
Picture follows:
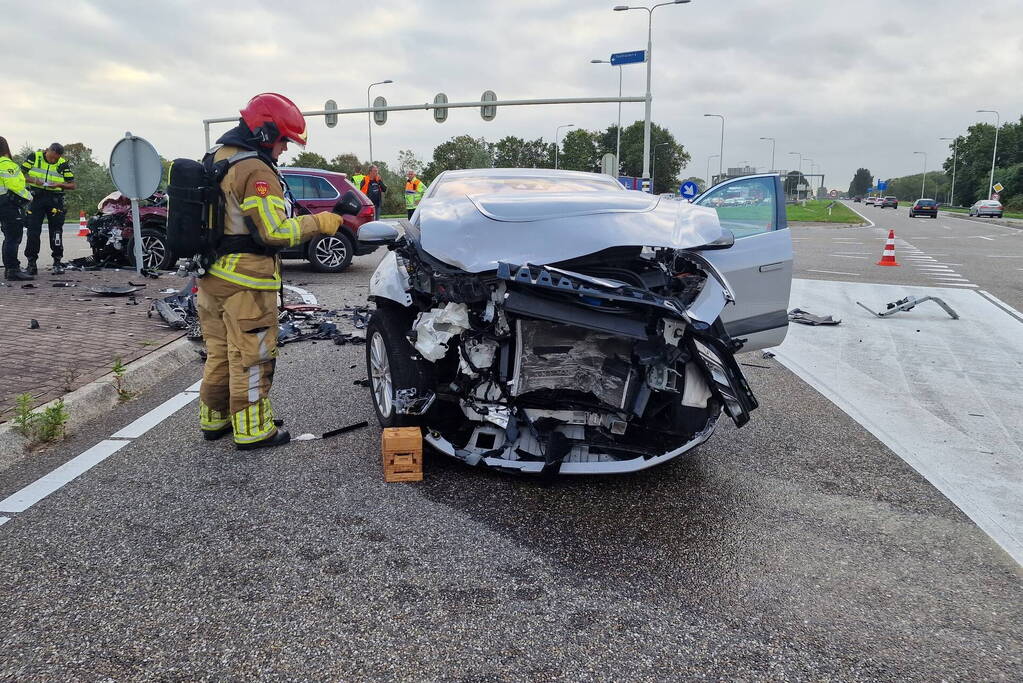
(414, 190)
(12, 180)
(38, 168)
(256, 206)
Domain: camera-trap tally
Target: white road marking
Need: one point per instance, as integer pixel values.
(848, 256)
(981, 237)
(48, 483)
(832, 272)
(195, 387)
(1003, 256)
(308, 298)
(4, 520)
(1002, 305)
(911, 389)
(958, 284)
(155, 416)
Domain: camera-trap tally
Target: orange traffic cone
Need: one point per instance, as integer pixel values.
(82, 230)
(888, 255)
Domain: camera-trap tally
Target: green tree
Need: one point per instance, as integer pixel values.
(462, 151)
(306, 159)
(973, 166)
(700, 182)
(579, 151)
(347, 163)
(907, 188)
(410, 161)
(514, 152)
(670, 160)
(861, 182)
(793, 180)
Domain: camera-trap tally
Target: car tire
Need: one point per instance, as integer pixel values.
(156, 251)
(393, 363)
(331, 253)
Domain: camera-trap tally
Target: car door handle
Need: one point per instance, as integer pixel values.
(772, 266)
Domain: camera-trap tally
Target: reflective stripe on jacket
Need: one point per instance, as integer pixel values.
(12, 179)
(40, 169)
(256, 206)
(414, 190)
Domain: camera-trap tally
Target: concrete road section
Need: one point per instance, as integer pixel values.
(798, 547)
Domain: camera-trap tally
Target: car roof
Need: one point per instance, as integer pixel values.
(320, 171)
(520, 173)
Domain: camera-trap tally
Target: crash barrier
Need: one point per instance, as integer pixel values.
(402, 451)
(83, 231)
(907, 304)
(888, 255)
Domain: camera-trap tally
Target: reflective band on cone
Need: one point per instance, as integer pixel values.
(82, 230)
(888, 255)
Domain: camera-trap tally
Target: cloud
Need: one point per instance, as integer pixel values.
(849, 86)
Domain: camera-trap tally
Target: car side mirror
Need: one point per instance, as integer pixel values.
(378, 233)
(349, 205)
(726, 240)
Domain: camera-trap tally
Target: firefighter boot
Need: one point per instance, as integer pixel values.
(17, 275)
(280, 438)
(31, 269)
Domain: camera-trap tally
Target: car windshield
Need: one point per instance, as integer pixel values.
(457, 187)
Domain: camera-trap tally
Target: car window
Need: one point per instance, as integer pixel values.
(457, 187)
(297, 185)
(746, 207)
(319, 188)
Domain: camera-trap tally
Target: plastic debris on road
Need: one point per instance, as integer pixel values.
(798, 315)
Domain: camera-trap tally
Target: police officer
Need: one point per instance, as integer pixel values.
(14, 197)
(48, 174)
(237, 297)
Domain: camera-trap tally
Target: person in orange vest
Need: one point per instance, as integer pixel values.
(414, 189)
(374, 188)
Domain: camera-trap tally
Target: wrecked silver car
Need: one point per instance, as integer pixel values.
(553, 322)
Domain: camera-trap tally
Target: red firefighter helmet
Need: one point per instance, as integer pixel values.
(272, 117)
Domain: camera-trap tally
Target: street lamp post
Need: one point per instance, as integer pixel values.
(721, 148)
(618, 143)
(772, 151)
(369, 117)
(994, 152)
(653, 173)
(955, 154)
(649, 60)
(709, 183)
(557, 141)
(923, 180)
(796, 184)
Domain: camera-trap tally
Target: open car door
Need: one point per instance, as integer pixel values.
(759, 265)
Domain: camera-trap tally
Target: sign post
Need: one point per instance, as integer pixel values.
(135, 169)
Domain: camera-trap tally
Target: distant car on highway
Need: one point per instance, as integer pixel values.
(924, 207)
(987, 207)
(870, 201)
(857, 198)
(890, 201)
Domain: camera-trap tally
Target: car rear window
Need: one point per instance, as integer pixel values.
(925, 202)
(990, 203)
(457, 187)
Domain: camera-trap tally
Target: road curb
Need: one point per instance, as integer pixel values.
(99, 397)
(989, 221)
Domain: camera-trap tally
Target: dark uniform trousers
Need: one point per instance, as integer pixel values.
(12, 221)
(47, 206)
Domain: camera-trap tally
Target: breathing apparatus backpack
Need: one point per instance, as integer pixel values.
(195, 205)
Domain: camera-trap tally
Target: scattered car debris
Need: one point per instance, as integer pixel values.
(909, 303)
(798, 315)
(303, 322)
(29, 286)
(105, 290)
(345, 429)
(768, 354)
(361, 382)
(64, 283)
(33, 324)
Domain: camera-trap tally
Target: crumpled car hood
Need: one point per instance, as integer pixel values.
(475, 233)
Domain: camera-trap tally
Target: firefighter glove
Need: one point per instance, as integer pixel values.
(328, 222)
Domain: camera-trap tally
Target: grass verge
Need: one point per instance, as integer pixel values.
(816, 211)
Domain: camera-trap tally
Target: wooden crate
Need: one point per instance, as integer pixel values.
(402, 452)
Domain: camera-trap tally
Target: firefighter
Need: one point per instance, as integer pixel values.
(414, 189)
(14, 197)
(49, 175)
(237, 297)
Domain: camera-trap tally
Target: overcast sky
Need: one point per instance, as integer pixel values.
(847, 84)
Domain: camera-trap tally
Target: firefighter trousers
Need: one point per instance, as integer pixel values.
(239, 326)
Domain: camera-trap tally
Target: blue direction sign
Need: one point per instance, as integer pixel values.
(634, 57)
(882, 185)
(688, 189)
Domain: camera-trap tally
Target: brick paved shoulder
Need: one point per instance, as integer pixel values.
(80, 334)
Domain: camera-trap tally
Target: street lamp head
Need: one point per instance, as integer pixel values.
(621, 8)
(388, 81)
(598, 61)
(681, 2)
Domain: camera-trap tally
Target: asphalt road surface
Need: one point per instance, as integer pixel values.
(797, 547)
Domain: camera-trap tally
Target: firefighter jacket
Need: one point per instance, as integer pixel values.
(255, 206)
(12, 183)
(38, 168)
(414, 190)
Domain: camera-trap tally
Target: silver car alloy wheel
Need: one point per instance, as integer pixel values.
(154, 252)
(331, 251)
(380, 375)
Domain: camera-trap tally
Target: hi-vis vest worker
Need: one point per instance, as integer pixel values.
(237, 298)
(48, 175)
(14, 197)
(414, 189)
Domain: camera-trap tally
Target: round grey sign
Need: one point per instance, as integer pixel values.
(135, 167)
